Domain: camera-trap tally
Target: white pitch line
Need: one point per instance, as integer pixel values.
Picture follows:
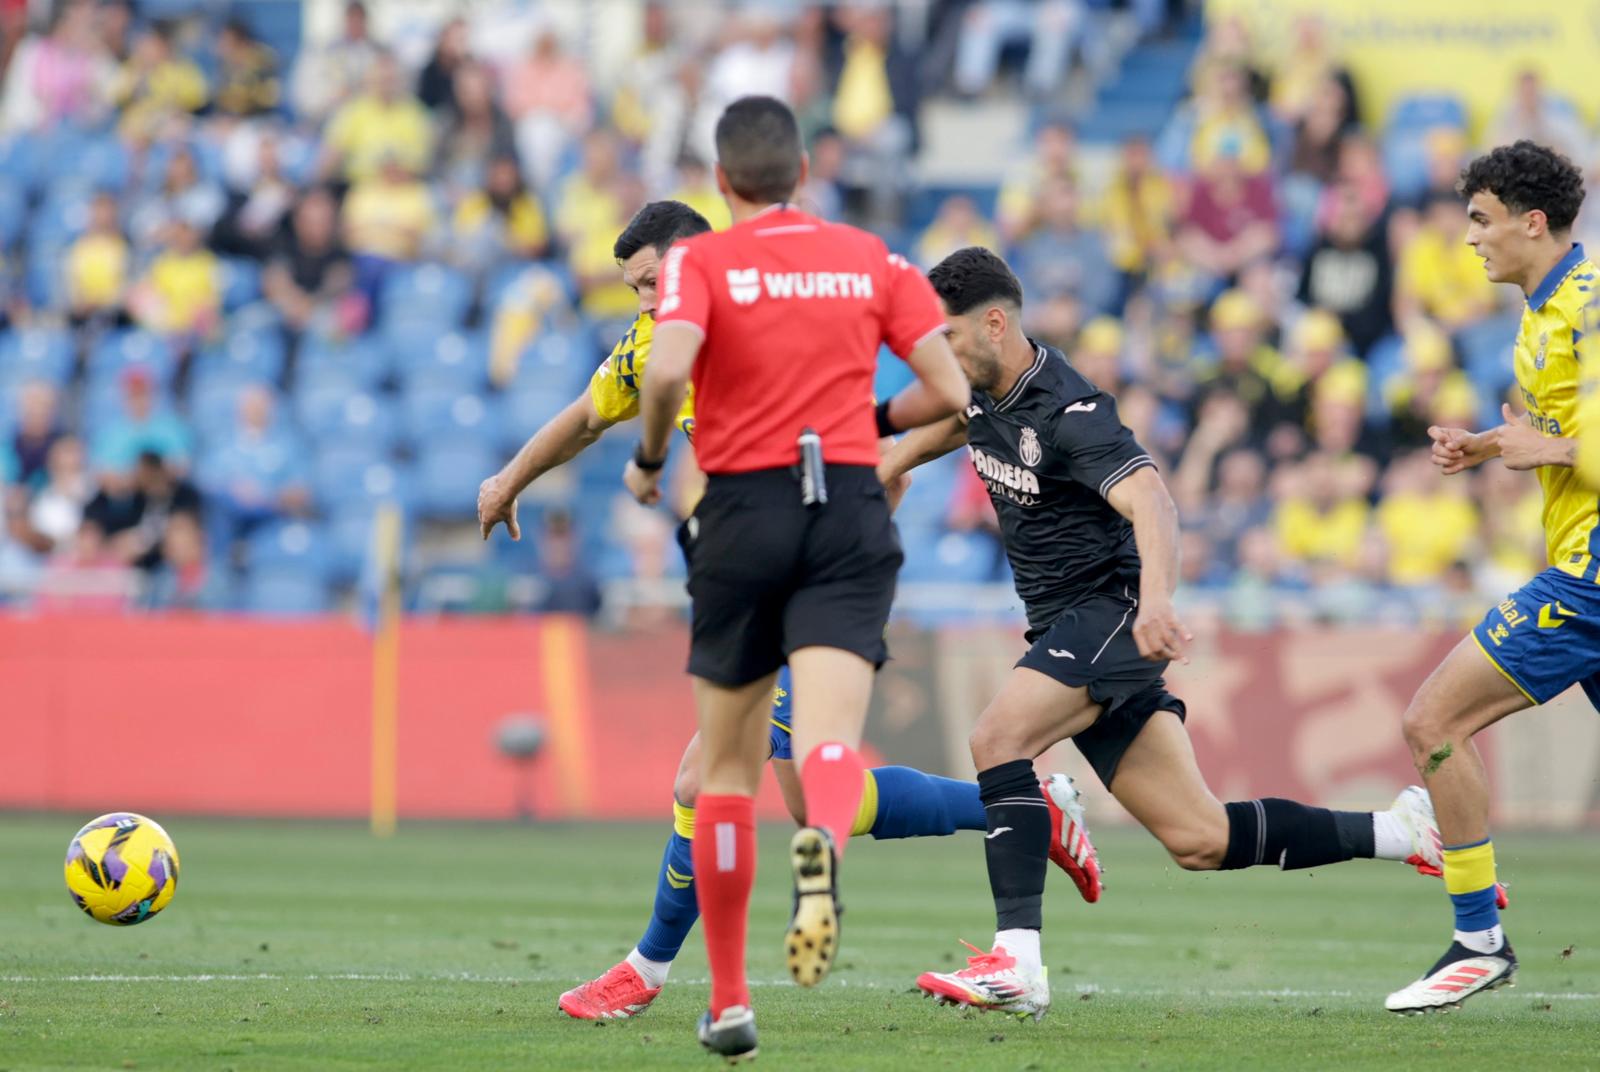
(502, 980)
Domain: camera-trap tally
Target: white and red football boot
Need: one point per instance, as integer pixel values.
(993, 982)
(1414, 808)
(1070, 847)
(616, 995)
(1458, 975)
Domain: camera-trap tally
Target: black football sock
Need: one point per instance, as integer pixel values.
(1017, 846)
(1293, 835)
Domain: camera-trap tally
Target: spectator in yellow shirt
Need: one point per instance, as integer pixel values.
(603, 294)
(388, 218)
(1428, 521)
(588, 200)
(387, 221)
(386, 121)
(181, 295)
(1429, 389)
(955, 226)
(1440, 276)
(247, 76)
(97, 265)
(699, 191)
(1055, 156)
(1138, 212)
(1226, 123)
(1319, 521)
(503, 221)
(155, 84)
(1097, 353)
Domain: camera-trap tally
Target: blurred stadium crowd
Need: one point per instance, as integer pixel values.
(252, 289)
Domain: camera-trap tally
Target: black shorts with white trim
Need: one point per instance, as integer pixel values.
(1091, 646)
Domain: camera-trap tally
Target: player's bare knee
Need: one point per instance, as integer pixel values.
(1428, 733)
(993, 742)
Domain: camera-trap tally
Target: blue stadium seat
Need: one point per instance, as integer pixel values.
(432, 416)
(119, 351)
(924, 202)
(565, 356)
(254, 355)
(450, 362)
(284, 591)
(526, 409)
(1422, 111)
(428, 292)
(1385, 361)
(364, 360)
(354, 473)
(18, 160)
(927, 501)
(241, 282)
(214, 404)
(1405, 162)
(296, 544)
(61, 216)
(36, 354)
(361, 418)
(349, 535)
(1486, 349)
(447, 477)
(13, 212)
(104, 162)
(953, 558)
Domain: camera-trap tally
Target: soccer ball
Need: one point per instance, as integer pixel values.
(122, 868)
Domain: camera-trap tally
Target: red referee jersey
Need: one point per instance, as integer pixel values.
(792, 310)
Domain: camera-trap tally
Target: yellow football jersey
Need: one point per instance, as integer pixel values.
(615, 384)
(1548, 377)
(1587, 344)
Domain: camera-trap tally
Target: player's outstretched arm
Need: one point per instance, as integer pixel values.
(920, 446)
(1456, 449)
(940, 391)
(562, 438)
(1142, 498)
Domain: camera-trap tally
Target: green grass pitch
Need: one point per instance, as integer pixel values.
(316, 947)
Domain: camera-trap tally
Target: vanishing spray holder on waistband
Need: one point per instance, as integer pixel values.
(813, 477)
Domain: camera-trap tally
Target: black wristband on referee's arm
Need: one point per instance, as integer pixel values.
(886, 427)
(644, 464)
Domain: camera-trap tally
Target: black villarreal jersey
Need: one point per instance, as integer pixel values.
(1049, 451)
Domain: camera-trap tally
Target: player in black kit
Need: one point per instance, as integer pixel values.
(1092, 536)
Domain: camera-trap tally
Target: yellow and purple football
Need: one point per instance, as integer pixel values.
(122, 868)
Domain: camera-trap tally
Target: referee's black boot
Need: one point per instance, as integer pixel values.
(731, 1035)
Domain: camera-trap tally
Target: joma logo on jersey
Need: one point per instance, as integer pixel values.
(1014, 477)
(744, 285)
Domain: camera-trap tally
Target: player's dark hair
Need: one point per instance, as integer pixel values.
(658, 224)
(972, 277)
(1526, 176)
(758, 146)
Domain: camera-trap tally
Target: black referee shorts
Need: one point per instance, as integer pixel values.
(769, 575)
(1091, 646)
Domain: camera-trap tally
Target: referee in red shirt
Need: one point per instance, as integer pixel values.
(792, 554)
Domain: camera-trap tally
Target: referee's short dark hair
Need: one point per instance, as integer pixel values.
(1527, 176)
(658, 224)
(972, 277)
(758, 146)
